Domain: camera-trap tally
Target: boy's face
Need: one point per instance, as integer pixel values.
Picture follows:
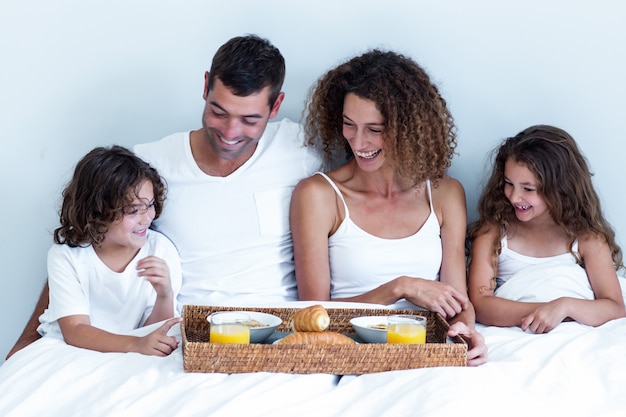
(129, 232)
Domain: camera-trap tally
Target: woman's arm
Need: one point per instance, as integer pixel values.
(312, 217)
(449, 201)
(448, 296)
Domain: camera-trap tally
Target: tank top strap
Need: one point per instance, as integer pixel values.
(575, 248)
(504, 242)
(430, 196)
(332, 184)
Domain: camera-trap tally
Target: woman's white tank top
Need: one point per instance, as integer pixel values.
(360, 261)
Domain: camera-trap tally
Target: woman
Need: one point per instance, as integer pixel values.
(388, 226)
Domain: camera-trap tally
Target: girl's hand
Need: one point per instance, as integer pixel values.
(158, 343)
(434, 296)
(157, 273)
(545, 318)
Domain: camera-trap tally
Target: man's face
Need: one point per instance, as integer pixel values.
(234, 124)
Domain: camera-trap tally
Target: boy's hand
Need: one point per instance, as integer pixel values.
(158, 343)
(157, 273)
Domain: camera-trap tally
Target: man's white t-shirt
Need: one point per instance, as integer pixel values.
(232, 233)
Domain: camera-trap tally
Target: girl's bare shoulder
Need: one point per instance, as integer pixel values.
(590, 242)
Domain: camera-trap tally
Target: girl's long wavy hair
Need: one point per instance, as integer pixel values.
(420, 134)
(104, 182)
(563, 180)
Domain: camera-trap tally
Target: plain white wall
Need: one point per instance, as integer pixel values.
(76, 74)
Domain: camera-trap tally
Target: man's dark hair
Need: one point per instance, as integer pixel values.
(246, 65)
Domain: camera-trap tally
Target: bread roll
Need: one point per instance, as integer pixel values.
(310, 319)
(316, 338)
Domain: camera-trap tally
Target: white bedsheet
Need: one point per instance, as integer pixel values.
(575, 370)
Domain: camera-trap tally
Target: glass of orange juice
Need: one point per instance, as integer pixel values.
(406, 328)
(229, 327)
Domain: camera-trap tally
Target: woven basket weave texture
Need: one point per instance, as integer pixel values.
(201, 356)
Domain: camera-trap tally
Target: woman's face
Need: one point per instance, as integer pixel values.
(363, 128)
(520, 187)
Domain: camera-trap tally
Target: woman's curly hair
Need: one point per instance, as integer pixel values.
(563, 181)
(420, 134)
(105, 181)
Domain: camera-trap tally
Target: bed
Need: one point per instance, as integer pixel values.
(574, 370)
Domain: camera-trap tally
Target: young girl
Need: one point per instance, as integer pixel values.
(108, 272)
(540, 206)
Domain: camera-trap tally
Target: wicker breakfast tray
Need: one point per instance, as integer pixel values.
(201, 356)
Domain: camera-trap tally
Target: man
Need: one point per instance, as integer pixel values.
(229, 185)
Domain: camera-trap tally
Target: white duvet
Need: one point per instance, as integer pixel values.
(546, 282)
(575, 370)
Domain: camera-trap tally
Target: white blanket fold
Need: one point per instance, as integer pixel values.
(547, 282)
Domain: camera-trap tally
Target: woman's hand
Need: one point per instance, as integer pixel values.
(477, 353)
(433, 296)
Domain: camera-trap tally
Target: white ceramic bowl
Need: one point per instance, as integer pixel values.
(259, 334)
(369, 334)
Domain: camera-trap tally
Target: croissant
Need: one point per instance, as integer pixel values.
(310, 319)
(316, 338)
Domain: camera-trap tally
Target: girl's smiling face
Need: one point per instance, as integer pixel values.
(520, 187)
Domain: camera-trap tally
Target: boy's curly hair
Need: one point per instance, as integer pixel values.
(104, 182)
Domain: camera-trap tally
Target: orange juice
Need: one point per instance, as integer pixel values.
(406, 333)
(229, 333)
